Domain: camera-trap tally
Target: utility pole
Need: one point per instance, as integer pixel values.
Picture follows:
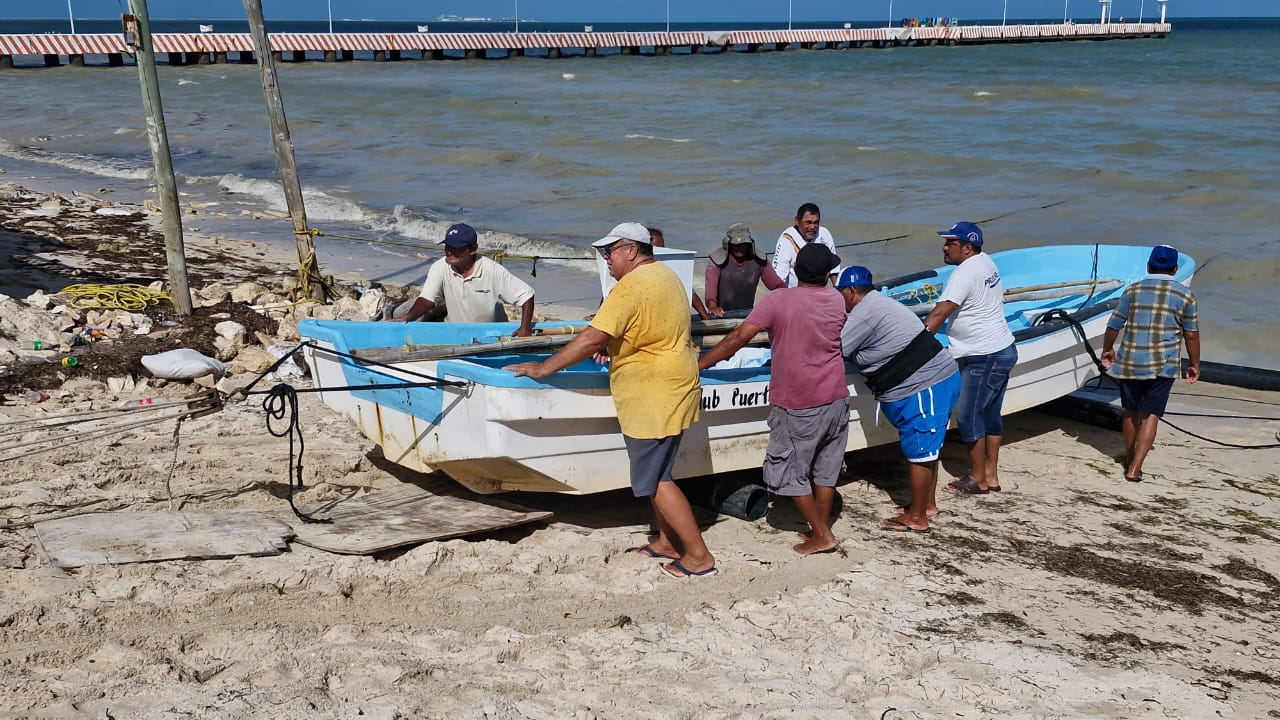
(309, 279)
(138, 24)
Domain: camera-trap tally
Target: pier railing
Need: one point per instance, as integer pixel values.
(213, 47)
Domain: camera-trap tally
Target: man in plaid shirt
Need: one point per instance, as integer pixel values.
(1158, 313)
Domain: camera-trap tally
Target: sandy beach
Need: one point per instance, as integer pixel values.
(1071, 594)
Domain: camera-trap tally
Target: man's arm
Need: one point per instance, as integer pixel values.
(941, 311)
(1108, 357)
(712, 289)
(728, 345)
(421, 306)
(770, 277)
(784, 256)
(526, 318)
(702, 309)
(588, 342)
(1192, 338)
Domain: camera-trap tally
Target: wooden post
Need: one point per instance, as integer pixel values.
(308, 267)
(158, 137)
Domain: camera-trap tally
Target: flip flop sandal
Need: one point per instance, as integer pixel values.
(967, 486)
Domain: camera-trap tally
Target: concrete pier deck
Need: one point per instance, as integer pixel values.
(204, 48)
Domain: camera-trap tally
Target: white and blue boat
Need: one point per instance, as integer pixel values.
(492, 432)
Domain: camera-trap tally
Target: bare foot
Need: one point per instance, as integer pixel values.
(817, 545)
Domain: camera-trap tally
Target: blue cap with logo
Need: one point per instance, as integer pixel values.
(1163, 257)
(854, 276)
(460, 236)
(964, 232)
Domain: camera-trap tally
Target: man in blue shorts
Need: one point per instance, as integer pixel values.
(1157, 314)
(914, 378)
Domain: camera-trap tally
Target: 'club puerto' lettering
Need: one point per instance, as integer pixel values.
(734, 397)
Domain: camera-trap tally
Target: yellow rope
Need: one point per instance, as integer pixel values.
(112, 297)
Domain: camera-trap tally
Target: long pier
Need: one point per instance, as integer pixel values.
(206, 48)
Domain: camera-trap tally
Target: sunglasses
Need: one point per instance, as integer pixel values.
(606, 252)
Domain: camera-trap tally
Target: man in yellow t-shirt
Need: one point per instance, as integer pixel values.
(653, 376)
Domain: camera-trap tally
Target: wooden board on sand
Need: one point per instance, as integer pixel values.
(118, 538)
(405, 515)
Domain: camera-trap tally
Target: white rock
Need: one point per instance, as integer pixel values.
(231, 330)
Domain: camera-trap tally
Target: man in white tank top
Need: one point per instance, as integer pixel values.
(982, 344)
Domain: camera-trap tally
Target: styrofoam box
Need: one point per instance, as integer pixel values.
(681, 261)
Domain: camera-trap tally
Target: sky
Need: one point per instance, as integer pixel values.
(642, 10)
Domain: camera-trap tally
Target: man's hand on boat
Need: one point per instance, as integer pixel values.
(589, 342)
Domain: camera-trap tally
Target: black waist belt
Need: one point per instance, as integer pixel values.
(909, 359)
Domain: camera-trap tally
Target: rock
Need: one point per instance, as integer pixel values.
(121, 385)
(232, 384)
(224, 349)
(253, 359)
(372, 302)
(213, 294)
(288, 329)
(231, 331)
(323, 312)
(346, 308)
(39, 300)
(247, 292)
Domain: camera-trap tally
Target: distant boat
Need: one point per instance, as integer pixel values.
(456, 18)
(423, 28)
(206, 28)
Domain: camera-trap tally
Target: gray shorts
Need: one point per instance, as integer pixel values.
(651, 462)
(806, 448)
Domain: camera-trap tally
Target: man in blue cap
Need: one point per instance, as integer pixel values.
(913, 377)
(1158, 314)
(472, 287)
(981, 342)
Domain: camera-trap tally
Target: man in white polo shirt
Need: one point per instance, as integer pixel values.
(472, 287)
(983, 345)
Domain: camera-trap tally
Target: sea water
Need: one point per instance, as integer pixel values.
(1150, 141)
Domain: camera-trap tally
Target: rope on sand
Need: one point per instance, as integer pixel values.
(126, 296)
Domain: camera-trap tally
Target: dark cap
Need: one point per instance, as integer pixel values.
(813, 263)
(460, 236)
(1163, 257)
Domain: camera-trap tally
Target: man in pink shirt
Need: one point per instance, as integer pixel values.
(809, 420)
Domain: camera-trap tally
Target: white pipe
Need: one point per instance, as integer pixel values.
(788, 13)
(1065, 3)
(1005, 17)
(890, 14)
(668, 15)
(72, 16)
(330, 3)
(517, 15)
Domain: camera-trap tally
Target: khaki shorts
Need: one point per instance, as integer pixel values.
(806, 448)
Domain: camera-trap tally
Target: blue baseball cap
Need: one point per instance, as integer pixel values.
(1163, 257)
(964, 232)
(854, 276)
(460, 236)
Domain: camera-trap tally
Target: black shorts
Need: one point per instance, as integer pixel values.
(1145, 397)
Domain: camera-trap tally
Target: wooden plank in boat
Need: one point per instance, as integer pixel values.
(405, 515)
(118, 538)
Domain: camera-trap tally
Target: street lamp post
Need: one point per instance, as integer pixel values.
(788, 13)
(668, 15)
(1065, 3)
(72, 16)
(890, 14)
(1005, 17)
(517, 15)
(1141, 3)
(330, 3)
